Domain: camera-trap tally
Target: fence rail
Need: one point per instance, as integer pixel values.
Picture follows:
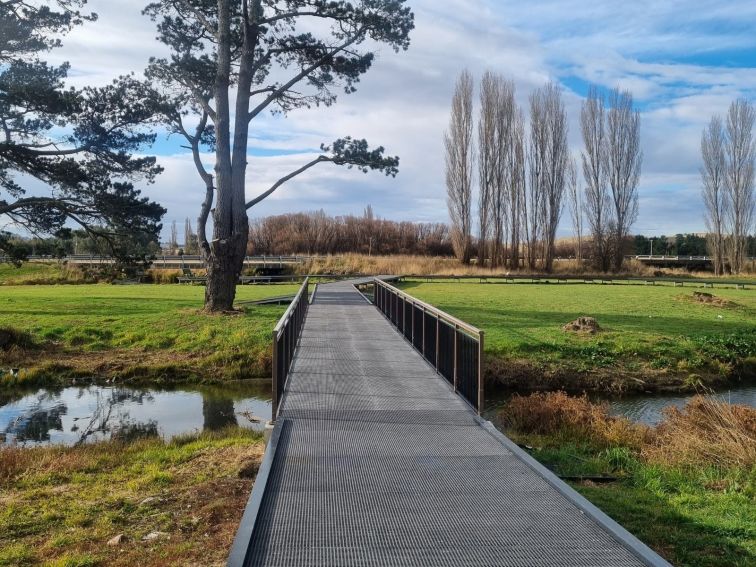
(454, 348)
(285, 338)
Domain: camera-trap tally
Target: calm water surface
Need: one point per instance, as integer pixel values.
(91, 413)
(647, 408)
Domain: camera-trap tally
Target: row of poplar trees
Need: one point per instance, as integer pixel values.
(728, 152)
(525, 174)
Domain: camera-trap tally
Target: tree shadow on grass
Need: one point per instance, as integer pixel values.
(682, 540)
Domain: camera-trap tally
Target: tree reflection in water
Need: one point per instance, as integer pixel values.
(101, 419)
(77, 415)
(217, 412)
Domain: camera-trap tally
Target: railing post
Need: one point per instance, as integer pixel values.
(438, 343)
(422, 349)
(481, 378)
(274, 405)
(456, 356)
(412, 334)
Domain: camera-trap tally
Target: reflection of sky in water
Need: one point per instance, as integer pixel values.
(96, 412)
(648, 409)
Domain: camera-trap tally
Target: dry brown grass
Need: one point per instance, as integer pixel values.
(706, 430)
(556, 413)
(447, 266)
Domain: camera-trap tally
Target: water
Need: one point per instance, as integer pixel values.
(80, 414)
(646, 408)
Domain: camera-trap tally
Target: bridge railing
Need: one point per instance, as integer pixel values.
(454, 348)
(285, 338)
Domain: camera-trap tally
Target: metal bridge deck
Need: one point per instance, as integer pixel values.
(377, 462)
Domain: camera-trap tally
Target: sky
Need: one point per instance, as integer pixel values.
(683, 61)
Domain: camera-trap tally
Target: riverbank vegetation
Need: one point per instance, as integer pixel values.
(651, 338)
(145, 502)
(137, 332)
(687, 487)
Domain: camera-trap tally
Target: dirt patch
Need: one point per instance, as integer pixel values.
(583, 325)
(711, 299)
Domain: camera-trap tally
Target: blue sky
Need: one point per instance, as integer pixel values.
(683, 61)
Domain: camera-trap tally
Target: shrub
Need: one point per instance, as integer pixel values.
(571, 418)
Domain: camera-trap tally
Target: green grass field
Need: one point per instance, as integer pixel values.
(657, 333)
(150, 331)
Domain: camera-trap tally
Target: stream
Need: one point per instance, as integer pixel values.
(78, 414)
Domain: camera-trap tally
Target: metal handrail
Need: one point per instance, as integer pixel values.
(292, 306)
(457, 357)
(434, 310)
(285, 339)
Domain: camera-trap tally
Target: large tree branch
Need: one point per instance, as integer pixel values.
(303, 73)
(277, 184)
(60, 204)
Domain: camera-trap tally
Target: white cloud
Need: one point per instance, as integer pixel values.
(402, 103)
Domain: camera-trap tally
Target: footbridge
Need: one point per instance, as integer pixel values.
(379, 456)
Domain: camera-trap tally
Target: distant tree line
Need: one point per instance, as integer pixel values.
(525, 173)
(318, 233)
(728, 152)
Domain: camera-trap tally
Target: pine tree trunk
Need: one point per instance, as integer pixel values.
(223, 269)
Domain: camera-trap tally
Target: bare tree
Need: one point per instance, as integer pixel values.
(517, 181)
(713, 177)
(576, 208)
(488, 160)
(173, 244)
(555, 161)
(505, 124)
(534, 207)
(739, 183)
(624, 159)
(597, 204)
(458, 141)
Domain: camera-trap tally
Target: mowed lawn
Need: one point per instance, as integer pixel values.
(645, 328)
(148, 326)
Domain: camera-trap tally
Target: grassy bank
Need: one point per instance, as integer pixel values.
(653, 338)
(687, 488)
(175, 503)
(133, 332)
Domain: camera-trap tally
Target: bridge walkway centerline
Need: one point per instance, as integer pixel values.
(375, 460)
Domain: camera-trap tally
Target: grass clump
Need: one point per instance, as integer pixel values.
(61, 505)
(686, 487)
(705, 431)
(572, 418)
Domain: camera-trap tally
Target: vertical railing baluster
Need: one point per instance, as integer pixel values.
(481, 378)
(438, 340)
(456, 357)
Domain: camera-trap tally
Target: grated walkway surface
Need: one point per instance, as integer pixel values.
(379, 463)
